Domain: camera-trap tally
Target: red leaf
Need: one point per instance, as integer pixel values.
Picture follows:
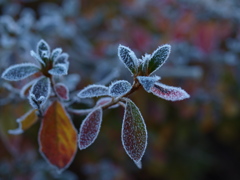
(134, 133)
(169, 92)
(57, 137)
(90, 128)
(62, 91)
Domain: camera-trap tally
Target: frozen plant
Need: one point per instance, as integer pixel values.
(58, 139)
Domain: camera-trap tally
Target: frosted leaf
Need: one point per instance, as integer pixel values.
(148, 81)
(139, 164)
(90, 128)
(19, 71)
(59, 70)
(134, 132)
(119, 88)
(62, 59)
(62, 91)
(39, 92)
(93, 91)
(158, 58)
(169, 92)
(128, 58)
(55, 53)
(37, 57)
(103, 101)
(43, 49)
(26, 87)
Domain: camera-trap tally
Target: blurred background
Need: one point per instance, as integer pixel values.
(194, 139)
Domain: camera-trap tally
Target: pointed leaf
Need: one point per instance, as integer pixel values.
(119, 88)
(129, 59)
(62, 91)
(148, 81)
(169, 92)
(19, 71)
(57, 137)
(39, 92)
(43, 49)
(25, 122)
(90, 128)
(139, 164)
(59, 70)
(62, 59)
(93, 91)
(158, 58)
(55, 53)
(134, 132)
(37, 57)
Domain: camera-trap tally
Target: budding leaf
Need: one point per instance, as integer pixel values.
(93, 91)
(39, 92)
(169, 92)
(57, 137)
(134, 133)
(62, 91)
(25, 122)
(119, 88)
(158, 58)
(90, 128)
(128, 58)
(37, 57)
(62, 59)
(55, 53)
(148, 81)
(59, 70)
(43, 49)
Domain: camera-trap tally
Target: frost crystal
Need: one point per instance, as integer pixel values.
(39, 92)
(43, 49)
(134, 133)
(59, 70)
(90, 128)
(169, 92)
(158, 58)
(55, 53)
(148, 81)
(93, 91)
(19, 71)
(128, 58)
(119, 88)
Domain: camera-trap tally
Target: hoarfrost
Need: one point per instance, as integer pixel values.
(37, 57)
(148, 81)
(55, 53)
(59, 70)
(93, 91)
(119, 88)
(43, 49)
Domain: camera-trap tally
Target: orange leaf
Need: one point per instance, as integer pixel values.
(57, 137)
(25, 122)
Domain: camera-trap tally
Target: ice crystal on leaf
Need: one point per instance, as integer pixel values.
(39, 92)
(169, 92)
(59, 70)
(55, 53)
(19, 71)
(148, 81)
(93, 91)
(119, 88)
(37, 57)
(90, 128)
(43, 49)
(134, 132)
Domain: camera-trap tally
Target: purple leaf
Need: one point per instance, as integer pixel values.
(103, 101)
(62, 91)
(129, 59)
(134, 132)
(158, 58)
(93, 91)
(119, 88)
(39, 92)
(55, 53)
(59, 70)
(19, 71)
(43, 49)
(169, 92)
(148, 81)
(37, 57)
(90, 128)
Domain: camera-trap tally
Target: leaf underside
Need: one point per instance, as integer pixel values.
(168, 92)
(134, 132)
(57, 137)
(90, 128)
(147, 81)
